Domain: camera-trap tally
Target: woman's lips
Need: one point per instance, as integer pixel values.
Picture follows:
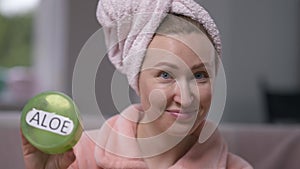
(181, 115)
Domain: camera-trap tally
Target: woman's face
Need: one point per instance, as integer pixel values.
(175, 83)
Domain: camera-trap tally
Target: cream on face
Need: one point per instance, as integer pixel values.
(175, 83)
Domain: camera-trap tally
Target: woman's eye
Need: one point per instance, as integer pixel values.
(165, 75)
(200, 75)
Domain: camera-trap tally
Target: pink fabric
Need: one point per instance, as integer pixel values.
(130, 24)
(212, 154)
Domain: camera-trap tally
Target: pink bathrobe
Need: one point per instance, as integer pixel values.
(212, 154)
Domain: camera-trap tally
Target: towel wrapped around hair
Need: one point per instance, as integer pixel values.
(129, 27)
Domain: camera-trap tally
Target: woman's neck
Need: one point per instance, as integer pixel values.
(169, 157)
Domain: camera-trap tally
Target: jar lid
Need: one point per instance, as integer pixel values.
(50, 122)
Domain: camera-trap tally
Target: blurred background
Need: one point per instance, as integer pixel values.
(41, 39)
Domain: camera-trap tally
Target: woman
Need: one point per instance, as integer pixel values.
(169, 51)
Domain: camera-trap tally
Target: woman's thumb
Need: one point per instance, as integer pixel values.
(64, 160)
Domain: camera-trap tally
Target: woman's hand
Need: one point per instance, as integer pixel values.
(36, 159)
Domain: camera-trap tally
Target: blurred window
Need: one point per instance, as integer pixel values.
(16, 52)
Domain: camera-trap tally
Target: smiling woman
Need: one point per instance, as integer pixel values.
(173, 73)
(177, 71)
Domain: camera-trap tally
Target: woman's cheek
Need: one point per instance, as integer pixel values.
(154, 104)
(205, 96)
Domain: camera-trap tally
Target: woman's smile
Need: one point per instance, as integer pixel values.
(172, 79)
(182, 115)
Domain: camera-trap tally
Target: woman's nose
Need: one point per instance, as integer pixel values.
(183, 94)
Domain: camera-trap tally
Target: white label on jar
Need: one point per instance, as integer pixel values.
(50, 122)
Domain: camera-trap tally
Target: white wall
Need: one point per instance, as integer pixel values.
(261, 44)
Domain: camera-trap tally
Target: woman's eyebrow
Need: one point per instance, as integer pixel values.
(173, 66)
(167, 64)
(201, 65)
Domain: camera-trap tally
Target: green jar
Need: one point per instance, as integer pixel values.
(50, 122)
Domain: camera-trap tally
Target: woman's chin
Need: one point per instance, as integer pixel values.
(179, 129)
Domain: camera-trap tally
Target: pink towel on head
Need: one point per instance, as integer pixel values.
(129, 26)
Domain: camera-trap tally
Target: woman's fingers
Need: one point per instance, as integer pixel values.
(34, 158)
(61, 161)
(68, 159)
(26, 146)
